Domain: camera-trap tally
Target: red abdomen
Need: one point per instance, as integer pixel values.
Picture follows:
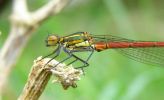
(99, 46)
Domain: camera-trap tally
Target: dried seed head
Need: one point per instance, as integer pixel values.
(67, 76)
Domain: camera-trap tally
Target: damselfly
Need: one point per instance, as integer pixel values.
(151, 52)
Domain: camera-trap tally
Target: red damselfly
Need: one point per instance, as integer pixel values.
(151, 52)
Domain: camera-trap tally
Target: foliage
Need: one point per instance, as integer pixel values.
(110, 75)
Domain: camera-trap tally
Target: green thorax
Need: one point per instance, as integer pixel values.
(74, 39)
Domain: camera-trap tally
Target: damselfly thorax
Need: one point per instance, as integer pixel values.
(77, 41)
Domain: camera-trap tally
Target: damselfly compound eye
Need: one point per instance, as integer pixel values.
(52, 40)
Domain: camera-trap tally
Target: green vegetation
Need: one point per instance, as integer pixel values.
(110, 75)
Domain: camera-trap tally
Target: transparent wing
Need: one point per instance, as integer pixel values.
(149, 55)
(107, 38)
(154, 56)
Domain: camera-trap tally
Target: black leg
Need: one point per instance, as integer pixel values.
(57, 54)
(70, 53)
(63, 61)
(55, 51)
(90, 55)
(84, 61)
(72, 62)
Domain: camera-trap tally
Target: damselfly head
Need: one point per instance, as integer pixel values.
(52, 40)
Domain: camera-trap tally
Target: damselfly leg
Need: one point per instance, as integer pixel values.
(71, 54)
(85, 62)
(62, 61)
(72, 62)
(56, 52)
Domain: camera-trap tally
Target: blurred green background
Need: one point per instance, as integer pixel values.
(110, 76)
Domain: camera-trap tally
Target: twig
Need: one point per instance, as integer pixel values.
(23, 24)
(46, 11)
(40, 75)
